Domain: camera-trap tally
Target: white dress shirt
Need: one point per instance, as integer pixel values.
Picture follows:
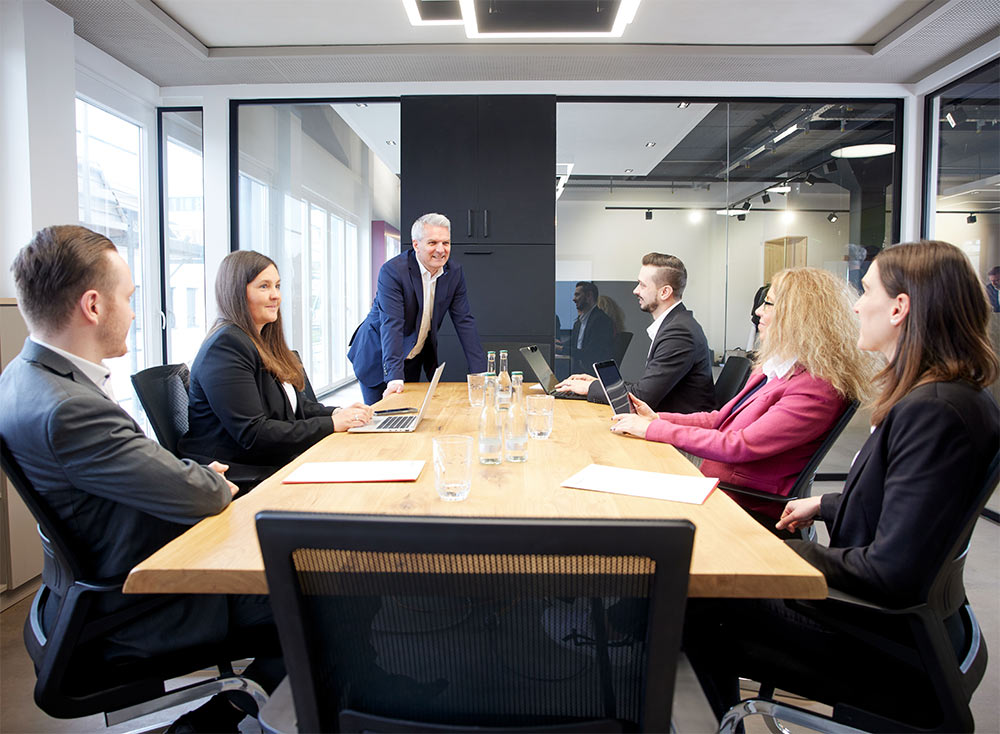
(99, 374)
(426, 313)
(655, 327)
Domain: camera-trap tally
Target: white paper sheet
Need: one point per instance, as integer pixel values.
(655, 485)
(321, 472)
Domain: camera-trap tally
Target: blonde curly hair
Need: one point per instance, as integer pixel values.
(814, 322)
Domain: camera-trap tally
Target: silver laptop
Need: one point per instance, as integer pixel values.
(401, 423)
(543, 373)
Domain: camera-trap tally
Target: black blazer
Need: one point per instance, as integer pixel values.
(598, 342)
(239, 414)
(678, 374)
(908, 487)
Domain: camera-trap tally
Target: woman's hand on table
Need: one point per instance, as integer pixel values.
(631, 424)
(642, 408)
(799, 514)
(353, 416)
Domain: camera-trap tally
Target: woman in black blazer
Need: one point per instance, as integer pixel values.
(247, 406)
(935, 432)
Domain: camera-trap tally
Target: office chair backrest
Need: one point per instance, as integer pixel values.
(163, 392)
(731, 379)
(388, 622)
(308, 389)
(622, 340)
(803, 485)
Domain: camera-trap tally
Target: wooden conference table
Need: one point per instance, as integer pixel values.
(733, 555)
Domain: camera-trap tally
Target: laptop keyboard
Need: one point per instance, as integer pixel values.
(568, 395)
(396, 422)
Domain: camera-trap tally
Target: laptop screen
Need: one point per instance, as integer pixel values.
(543, 373)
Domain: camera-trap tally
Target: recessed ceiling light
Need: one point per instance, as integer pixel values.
(625, 15)
(650, 144)
(864, 151)
(390, 142)
(413, 13)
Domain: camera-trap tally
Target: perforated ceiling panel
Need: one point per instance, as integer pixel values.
(150, 45)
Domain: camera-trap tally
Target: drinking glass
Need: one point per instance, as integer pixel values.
(452, 467)
(476, 389)
(539, 409)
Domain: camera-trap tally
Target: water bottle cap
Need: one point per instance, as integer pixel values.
(503, 351)
(517, 372)
(491, 374)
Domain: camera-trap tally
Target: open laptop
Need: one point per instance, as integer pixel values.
(544, 375)
(401, 423)
(614, 386)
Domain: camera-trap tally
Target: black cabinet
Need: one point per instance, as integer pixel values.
(485, 162)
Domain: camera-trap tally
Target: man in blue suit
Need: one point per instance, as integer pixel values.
(398, 338)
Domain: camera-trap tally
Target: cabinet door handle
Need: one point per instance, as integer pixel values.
(486, 222)
(479, 252)
(468, 227)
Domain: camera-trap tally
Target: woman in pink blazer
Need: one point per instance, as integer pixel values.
(807, 370)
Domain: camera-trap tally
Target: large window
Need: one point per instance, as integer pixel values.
(309, 189)
(183, 232)
(109, 165)
(963, 171)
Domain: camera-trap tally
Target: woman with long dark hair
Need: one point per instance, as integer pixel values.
(247, 406)
(935, 432)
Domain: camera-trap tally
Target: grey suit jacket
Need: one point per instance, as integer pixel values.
(119, 495)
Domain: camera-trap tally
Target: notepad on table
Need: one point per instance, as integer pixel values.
(320, 472)
(655, 485)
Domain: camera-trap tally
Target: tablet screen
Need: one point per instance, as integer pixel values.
(614, 386)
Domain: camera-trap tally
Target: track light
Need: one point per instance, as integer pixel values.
(683, 105)
(649, 215)
(831, 167)
(741, 217)
(832, 216)
(971, 219)
(810, 179)
(747, 205)
(765, 199)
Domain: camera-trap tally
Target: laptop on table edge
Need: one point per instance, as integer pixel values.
(401, 423)
(543, 373)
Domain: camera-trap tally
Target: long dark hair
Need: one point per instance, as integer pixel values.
(944, 336)
(237, 271)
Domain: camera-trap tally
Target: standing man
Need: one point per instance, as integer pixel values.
(398, 338)
(593, 338)
(117, 495)
(993, 288)
(678, 375)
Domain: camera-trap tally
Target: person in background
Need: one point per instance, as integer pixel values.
(247, 404)
(808, 368)
(398, 338)
(614, 312)
(593, 338)
(935, 432)
(118, 495)
(993, 288)
(678, 374)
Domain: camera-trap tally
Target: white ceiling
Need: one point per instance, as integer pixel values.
(196, 42)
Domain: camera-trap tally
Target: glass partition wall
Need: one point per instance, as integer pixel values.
(737, 190)
(963, 166)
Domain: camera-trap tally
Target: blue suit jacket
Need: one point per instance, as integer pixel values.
(390, 330)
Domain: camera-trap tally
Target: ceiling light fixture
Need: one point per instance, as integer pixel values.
(360, 104)
(765, 199)
(830, 167)
(729, 212)
(683, 105)
(391, 142)
(741, 217)
(694, 216)
(864, 151)
(832, 217)
(649, 215)
(413, 13)
(951, 119)
(810, 180)
(783, 189)
(784, 134)
(971, 219)
(747, 205)
(629, 170)
(626, 14)
(651, 144)
(787, 217)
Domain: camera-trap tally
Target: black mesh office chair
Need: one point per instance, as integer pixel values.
(942, 641)
(732, 378)
(803, 485)
(163, 392)
(73, 680)
(409, 624)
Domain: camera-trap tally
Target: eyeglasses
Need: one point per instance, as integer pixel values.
(767, 304)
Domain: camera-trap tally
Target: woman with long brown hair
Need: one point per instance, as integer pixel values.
(935, 432)
(807, 370)
(247, 406)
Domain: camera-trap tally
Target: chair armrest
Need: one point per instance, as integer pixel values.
(757, 494)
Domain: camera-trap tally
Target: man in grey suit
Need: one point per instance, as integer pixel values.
(678, 374)
(119, 495)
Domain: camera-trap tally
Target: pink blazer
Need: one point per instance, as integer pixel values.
(765, 442)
